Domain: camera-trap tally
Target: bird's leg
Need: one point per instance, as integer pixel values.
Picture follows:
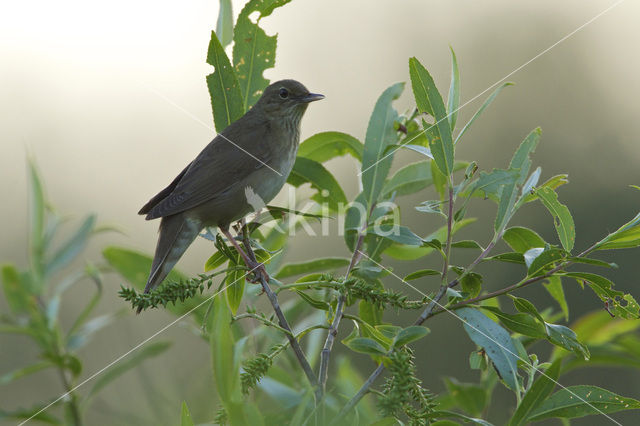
(253, 265)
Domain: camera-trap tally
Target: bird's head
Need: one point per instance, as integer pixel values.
(286, 99)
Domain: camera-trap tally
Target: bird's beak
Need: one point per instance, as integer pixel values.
(311, 97)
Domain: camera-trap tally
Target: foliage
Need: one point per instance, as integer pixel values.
(37, 299)
(320, 297)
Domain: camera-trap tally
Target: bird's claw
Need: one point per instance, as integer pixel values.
(259, 272)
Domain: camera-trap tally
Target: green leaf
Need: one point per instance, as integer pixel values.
(216, 260)
(627, 236)
(537, 394)
(510, 257)
(472, 284)
(420, 273)
(185, 415)
(545, 260)
(329, 190)
(551, 183)
(410, 334)
(524, 306)
(454, 90)
(409, 179)
(324, 146)
(365, 345)
(370, 313)
(428, 100)
(470, 397)
(564, 337)
(15, 291)
(555, 289)
(316, 265)
(486, 103)
(9, 377)
(519, 323)
(404, 252)
(509, 193)
(490, 184)
(131, 361)
(618, 303)
(317, 304)
(224, 27)
(226, 97)
(496, 342)
(583, 400)
(281, 212)
(72, 247)
(36, 214)
(561, 217)
(234, 284)
(443, 413)
(380, 134)
(253, 50)
(468, 244)
(521, 239)
(396, 233)
(225, 368)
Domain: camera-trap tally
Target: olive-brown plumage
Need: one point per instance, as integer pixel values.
(254, 155)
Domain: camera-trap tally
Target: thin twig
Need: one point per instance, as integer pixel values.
(295, 345)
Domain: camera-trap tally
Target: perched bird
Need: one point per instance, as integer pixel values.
(254, 155)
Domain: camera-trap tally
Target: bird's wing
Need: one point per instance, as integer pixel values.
(222, 166)
(163, 194)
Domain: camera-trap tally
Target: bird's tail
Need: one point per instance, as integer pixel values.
(177, 232)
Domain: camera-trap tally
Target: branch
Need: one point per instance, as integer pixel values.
(302, 359)
(333, 329)
(358, 396)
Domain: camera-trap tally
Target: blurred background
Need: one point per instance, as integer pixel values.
(111, 101)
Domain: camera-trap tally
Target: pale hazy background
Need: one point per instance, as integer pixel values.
(88, 88)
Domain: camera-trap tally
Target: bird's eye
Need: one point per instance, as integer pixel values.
(284, 93)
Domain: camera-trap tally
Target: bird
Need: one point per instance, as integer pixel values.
(253, 155)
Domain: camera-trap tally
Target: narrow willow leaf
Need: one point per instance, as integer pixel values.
(315, 303)
(545, 260)
(324, 146)
(470, 397)
(366, 345)
(185, 416)
(328, 188)
(396, 233)
(537, 394)
(136, 358)
(380, 134)
(253, 50)
(521, 239)
(16, 292)
(552, 183)
(509, 257)
(234, 284)
(419, 149)
(555, 289)
(617, 302)
(454, 91)
(496, 342)
(439, 180)
(561, 217)
(486, 103)
(429, 101)
(598, 329)
(72, 247)
(453, 414)
(566, 338)
(316, 265)
(583, 400)
(217, 259)
(594, 262)
(36, 214)
(627, 236)
(224, 26)
(432, 206)
(404, 252)
(468, 244)
(523, 305)
(519, 323)
(409, 179)
(226, 97)
(531, 182)
(9, 377)
(509, 193)
(410, 334)
(370, 313)
(421, 273)
(490, 184)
